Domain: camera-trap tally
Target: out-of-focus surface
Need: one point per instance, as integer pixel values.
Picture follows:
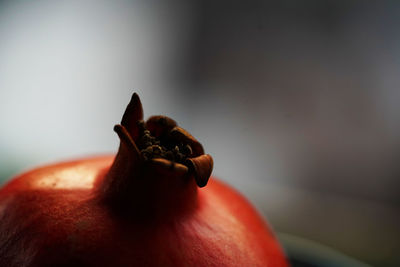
(297, 102)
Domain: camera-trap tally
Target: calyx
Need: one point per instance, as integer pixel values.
(152, 150)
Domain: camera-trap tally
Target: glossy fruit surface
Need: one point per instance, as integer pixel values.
(142, 207)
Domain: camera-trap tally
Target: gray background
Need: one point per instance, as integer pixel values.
(297, 102)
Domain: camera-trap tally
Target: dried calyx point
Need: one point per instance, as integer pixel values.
(162, 147)
(160, 142)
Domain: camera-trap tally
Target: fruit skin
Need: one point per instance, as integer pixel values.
(142, 207)
(52, 216)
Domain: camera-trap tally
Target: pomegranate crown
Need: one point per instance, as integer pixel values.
(162, 144)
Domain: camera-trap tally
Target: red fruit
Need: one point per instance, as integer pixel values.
(141, 208)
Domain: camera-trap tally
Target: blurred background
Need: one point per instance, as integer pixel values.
(298, 102)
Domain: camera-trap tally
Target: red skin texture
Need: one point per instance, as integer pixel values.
(51, 216)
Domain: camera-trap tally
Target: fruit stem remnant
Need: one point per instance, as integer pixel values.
(154, 148)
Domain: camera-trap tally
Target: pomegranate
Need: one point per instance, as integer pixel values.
(142, 207)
